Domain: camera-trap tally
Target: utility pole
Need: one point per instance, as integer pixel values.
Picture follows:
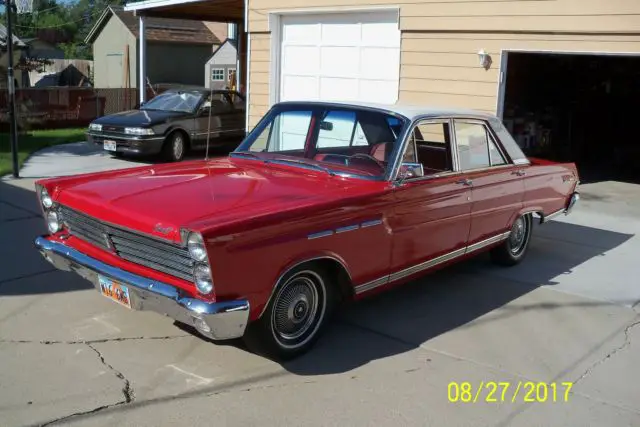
(13, 126)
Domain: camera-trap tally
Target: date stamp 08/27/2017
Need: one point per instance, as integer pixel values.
(504, 391)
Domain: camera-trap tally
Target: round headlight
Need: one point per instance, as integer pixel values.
(196, 247)
(45, 198)
(202, 278)
(52, 222)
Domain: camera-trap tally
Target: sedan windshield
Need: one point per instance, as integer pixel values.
(179, 101)
(337, 140)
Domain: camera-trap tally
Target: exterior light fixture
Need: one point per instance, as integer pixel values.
(485, 59)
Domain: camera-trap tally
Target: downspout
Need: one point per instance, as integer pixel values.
(142, 60)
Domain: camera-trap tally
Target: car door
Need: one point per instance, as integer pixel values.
(237, 122)
(215, 126)
(497, 187)
(432, 216)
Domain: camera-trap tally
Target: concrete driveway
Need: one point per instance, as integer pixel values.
(568, 314)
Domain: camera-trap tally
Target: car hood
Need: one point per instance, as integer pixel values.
(139, 117)
(200, 195)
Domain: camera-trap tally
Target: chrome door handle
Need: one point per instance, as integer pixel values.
(464, 181)
(519, 173)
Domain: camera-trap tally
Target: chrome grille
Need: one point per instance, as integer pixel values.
(155, 254)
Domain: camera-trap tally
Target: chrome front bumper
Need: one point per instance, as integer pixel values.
(215, 320)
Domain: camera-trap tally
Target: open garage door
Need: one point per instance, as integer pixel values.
(340, 56)
(576, 107)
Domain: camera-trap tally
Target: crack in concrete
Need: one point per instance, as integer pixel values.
(89, 342)
(127, 390)
(627, 343)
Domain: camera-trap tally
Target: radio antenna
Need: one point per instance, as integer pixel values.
(206, 155)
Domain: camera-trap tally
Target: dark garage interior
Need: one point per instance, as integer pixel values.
(580, 108)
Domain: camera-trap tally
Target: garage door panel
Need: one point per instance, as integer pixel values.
(301, 60)
(342, 34)
(377, 91)
(301, 33)
(354, 56)
(380, 63)
(299, 88)
(381, 34)
(340, 61)
(334, 89)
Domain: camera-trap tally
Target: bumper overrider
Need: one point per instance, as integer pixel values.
(215, 320)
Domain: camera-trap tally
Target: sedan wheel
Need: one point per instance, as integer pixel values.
(174, 148)
(295, 315)
(513, 250)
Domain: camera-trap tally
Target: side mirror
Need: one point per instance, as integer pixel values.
(411, 170)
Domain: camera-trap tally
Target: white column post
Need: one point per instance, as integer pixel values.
(142, 59)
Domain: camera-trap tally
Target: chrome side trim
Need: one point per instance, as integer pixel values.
(320, 234)
(373, 284)
(430, 263)
(216, 320)
(426, 265)
(371, 223)
(344, 229)
(487, 242)
(347, 228)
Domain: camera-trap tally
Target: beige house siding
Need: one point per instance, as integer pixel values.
(441, 38)
(109, 68)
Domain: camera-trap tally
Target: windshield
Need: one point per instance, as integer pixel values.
(181, 101)
(337, 140)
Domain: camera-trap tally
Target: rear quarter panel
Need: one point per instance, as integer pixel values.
(548, 185)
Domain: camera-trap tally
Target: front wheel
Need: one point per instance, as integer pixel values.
(514, 249)
(174, 147)
(295, 316)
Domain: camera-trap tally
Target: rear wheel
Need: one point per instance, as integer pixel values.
(514, 249)
(174, 147)
(295, 316)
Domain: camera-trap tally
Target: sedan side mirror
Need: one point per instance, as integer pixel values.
(411, 170)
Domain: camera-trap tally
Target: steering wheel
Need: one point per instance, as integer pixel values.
(369, 157)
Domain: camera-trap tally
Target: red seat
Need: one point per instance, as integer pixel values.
(382, 151)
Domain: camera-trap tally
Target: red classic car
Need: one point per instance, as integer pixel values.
(322, 203)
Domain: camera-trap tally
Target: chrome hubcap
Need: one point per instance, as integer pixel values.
(518, 236)
(178, 147)
(298, 309)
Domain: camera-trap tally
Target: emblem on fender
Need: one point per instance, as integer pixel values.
(164, 230)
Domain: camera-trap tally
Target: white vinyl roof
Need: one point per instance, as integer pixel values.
(411, 111)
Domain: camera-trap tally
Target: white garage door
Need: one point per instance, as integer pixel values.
(340, 57)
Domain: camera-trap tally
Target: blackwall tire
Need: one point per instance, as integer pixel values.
(174, 147)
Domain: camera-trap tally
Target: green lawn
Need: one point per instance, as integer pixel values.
(31, 141)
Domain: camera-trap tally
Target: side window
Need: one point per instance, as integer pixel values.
(429, 145)
(336, 129)
(340, 129)
(476, 148)
(287, 132)
(472, 145)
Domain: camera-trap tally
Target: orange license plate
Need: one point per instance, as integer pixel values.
(114, 291)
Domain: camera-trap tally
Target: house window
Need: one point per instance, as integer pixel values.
(217, 74)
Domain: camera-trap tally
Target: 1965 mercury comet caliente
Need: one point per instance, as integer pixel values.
(321, 203)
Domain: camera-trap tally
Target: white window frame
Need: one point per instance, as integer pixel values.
(213, 70)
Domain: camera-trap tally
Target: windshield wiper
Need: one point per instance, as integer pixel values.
(303, 163)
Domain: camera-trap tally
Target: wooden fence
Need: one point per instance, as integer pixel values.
(65, 107)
